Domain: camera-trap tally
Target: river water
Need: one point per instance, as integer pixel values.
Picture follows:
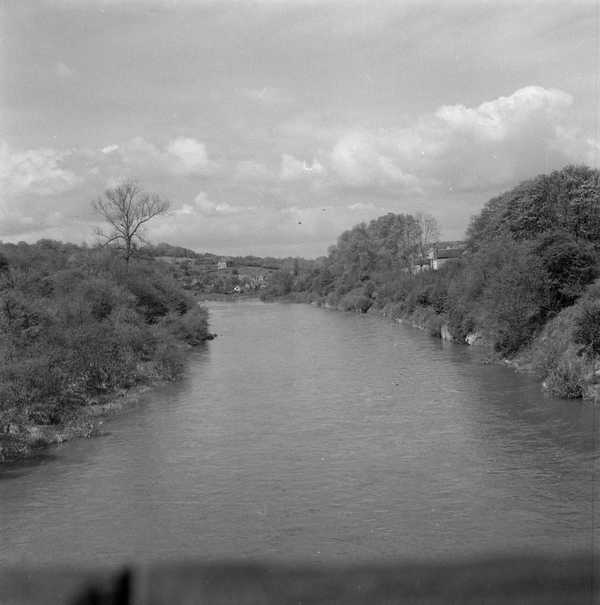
(307, 434)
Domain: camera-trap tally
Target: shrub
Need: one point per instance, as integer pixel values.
(75, 323)
(569, 264)
(156, 293)
(566, 379)
(169, 361)
(587, 326)
(191, 327)
(356, 300)
(101, 359)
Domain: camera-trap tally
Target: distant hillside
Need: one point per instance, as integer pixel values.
(206, 273)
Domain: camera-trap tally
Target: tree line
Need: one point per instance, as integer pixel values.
(530, 255)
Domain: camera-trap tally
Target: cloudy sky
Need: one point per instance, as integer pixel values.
(272, 126)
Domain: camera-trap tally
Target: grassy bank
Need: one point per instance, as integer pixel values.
(78, 329)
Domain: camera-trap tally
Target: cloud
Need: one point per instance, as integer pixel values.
(191, 154)
(501, 141)
(506, 116)
(34, 171)
(362, 207)
(39, 193)
(63, 71)
(361, 159)
(180, 156)
(293, 168)
(204, 206)
(458, 147)
(446, 161)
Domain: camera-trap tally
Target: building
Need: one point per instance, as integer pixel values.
(421, 264)
(438, 256)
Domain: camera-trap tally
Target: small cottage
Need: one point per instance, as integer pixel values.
(438, 257)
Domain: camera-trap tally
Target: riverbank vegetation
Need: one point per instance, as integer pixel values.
(78, 326)
(524, 283)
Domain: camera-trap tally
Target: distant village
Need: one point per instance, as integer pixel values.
(212, 274)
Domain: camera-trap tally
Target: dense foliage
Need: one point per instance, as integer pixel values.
(529, 254)
(77, 323)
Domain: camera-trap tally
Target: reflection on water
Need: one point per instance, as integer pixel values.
(302, 433)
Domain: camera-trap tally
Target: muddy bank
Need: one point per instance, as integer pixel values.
(19, 440)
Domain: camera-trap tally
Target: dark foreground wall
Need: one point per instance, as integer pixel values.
(523, 580)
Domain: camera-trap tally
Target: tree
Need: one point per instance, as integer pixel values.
(127, 208)
(570, 266)
(430, 231)
(3, 264)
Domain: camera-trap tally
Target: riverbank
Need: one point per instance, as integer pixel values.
(215, 297)
(21, 440)
(501, 287)
(562, 364)
(79, 328)
(564, 368)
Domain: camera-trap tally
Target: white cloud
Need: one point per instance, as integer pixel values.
(180, 156)
(504, 117)
(63, 71)
(363, 159)
(452, 158)
(293, 168)
(191, 154)
(457, 147)
(138, 152)
(503, 140)
(204, 206)
(362, 207)
(40, 171)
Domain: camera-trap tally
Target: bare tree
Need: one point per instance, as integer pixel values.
(127, 208)
(430, 231)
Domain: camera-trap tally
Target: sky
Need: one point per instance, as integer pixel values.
(272, 125)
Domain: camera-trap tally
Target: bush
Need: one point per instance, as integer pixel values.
(169, 360)
(567, 378)
(101, 358)
(156, 293)
(587, 326)
(191, 327)
(75, 323)
(570, 266)
(356, 300)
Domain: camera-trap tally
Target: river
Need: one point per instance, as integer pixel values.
(307, 434)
